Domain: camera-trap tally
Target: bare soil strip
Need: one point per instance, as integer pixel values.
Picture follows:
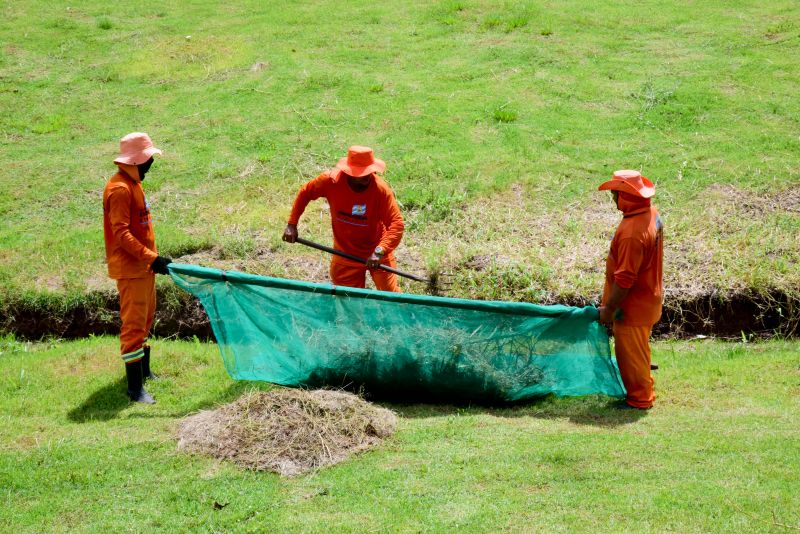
(729, 315)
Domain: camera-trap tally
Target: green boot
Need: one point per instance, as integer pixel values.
(135, 390)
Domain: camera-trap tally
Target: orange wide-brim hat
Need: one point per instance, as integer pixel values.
(629, 182)
(360, 161)
(136, 148)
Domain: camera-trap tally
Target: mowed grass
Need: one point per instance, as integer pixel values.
(720, 452)
(485, 111)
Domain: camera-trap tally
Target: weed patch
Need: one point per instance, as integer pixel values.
(104, 23)
(503, 114)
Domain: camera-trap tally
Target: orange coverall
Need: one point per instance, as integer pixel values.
(635, 262)
(130, 250)
(361, 221)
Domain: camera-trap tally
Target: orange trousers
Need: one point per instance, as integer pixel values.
(632, 348)
(351, 274)
(137, 307)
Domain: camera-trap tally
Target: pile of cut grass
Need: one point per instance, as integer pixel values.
(288, 431)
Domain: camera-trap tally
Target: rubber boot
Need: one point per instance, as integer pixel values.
(147, 374)
(135, 390)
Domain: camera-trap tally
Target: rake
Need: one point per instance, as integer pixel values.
(432, 283)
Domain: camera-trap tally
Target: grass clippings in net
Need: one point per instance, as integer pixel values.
(288, 431)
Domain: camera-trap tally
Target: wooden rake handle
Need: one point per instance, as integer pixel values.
(336, 252)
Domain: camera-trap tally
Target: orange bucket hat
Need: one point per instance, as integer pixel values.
(629, 182)
(136, 148)
(360, 161)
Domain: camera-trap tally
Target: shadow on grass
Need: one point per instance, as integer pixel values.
(214, 400)
(589, 411)
(103, 404)
(107, 402)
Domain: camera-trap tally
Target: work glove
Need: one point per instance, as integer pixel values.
(290, 234)
(159, 265)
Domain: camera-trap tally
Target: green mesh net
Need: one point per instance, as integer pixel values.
(400, 346)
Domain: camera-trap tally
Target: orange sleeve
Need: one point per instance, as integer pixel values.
(119, 215)
(393, 222)
(312, 190)
(629, 254)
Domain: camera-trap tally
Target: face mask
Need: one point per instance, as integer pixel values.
(144, 167)
(358, 184)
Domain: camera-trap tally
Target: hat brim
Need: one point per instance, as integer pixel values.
(139, 157)
(378, 166)
(647, 191)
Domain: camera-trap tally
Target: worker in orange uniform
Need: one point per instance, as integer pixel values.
(365, 218)
(634, 290)
(132, 257)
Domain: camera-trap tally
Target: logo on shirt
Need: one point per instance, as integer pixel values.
(359, 209)
(659, 229)
(144, 215)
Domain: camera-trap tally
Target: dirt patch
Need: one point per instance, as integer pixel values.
(100, 282)
(790, 200)
(288, 431)
(753, 204)
(51, 283)
(479, 262)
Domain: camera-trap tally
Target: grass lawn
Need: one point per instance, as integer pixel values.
(720, 452)
(497, 119)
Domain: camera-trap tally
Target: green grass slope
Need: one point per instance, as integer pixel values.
(497, 121)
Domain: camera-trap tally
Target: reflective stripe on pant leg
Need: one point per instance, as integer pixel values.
(134, 356)
(384, 280)
(632, 348)
(135, 302)
(347, 273)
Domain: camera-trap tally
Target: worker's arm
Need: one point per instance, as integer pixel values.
(612, 305)
(119, 214)
(312, 190)
(393, 222)
(629, 254)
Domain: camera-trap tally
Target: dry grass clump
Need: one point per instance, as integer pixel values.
(288, 431)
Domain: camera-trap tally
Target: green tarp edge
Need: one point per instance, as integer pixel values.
(517, 308)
